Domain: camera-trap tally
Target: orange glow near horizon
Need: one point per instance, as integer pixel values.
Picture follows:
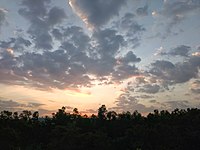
(83, 99)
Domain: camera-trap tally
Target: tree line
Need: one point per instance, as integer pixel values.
(108, 130)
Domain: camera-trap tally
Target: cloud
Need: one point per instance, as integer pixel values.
(142, 11)
(109, 42)
(150, 89)
(126, 102)
(2, 17)
(163, 74)
(55, 16)
(129, 58)
(176, 73)
(42, 21)
(181, 50)
(18, 44)
(195, 87)
(96, 13)
(12, 105)
(132, 29)
(171, 105)
(9, 105)
(175, 12)
(75, 64)
(140, 80)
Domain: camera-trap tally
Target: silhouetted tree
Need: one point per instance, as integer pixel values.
(6, 115)
(102, 112)
(25, 115)
(15, 115)
(111, 115)
(35, 116)
(160, 130)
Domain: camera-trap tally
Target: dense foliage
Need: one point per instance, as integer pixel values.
(161, 130)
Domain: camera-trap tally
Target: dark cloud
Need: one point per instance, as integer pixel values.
(142, 11)
(69, 66)
(9, 105)
(152, 101)
(146, 96)
(2, 16)
(42, 21)
(176, 73)
(12, 105)
(97, 12)
(132, 29)
(18, 44)
(55, 16)
(150, 88)
(181, 50)
(129, 58)
(126, 102)
(109, 42)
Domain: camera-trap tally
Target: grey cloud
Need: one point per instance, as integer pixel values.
(126, 102)
(152, 101)
(130, 57)
(140, 80)
(170, 73)
(151, 89)
(42, 21)
(9, 105)
(109, 42)
(124, 72)
(179, 7)
(195, 87)
(142, 11)
(2, 17)
(98, 12)
(132, 29)
(56, 15)
(174, 12)
(18, 44)
(181, 50)
(57, 34)
(146, 96)
(78, 57)
(12, 105)
(34, 105)
(196, 91)
(177, 104)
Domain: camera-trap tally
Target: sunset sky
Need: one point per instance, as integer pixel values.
(127, 54)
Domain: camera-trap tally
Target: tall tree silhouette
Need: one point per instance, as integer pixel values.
(102, 112)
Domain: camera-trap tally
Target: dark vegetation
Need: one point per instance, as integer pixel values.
(161, 130)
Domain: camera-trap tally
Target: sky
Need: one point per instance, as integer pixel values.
(127, 54)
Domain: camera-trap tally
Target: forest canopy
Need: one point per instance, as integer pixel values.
(160, 130)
